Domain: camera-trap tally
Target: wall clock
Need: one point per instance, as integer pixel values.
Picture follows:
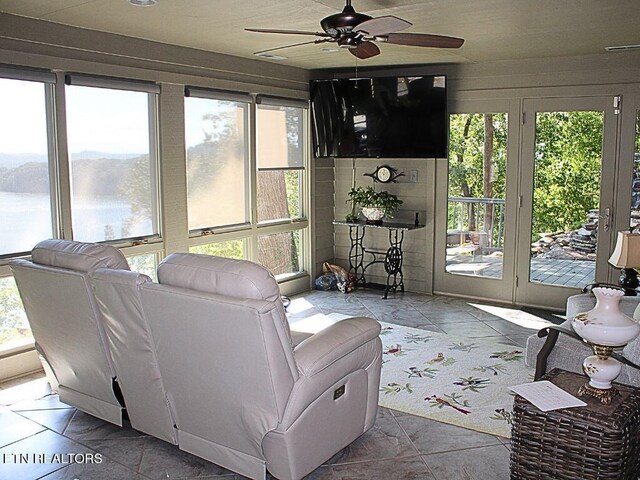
(385, 174)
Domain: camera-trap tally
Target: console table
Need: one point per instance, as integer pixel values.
(391, 258)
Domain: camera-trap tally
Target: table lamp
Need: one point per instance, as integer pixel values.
(604, 328)
(626, 256)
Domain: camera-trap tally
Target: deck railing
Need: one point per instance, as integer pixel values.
(476, 220)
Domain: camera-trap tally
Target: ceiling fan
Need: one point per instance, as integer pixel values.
(357, 32)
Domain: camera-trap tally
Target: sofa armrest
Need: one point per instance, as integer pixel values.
(329, 357)
(331, 344)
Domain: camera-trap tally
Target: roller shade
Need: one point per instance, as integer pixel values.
(217, 94)
(283, 102)
(82, 80)
(30, 75)
(279, 137)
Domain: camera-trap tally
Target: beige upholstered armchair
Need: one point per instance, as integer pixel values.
(240, 393)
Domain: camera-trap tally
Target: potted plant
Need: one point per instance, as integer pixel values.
(374, 205)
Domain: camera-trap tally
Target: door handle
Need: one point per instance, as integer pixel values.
(606, 220)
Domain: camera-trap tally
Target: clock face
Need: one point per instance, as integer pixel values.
(384, 174)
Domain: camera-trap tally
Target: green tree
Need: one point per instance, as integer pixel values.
(568, 157)
(229, 249)
(477, 166)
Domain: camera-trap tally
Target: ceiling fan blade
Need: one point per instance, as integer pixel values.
(422, 40)
(365, 50)
(382, 26)
(287, 32)
(322, 40)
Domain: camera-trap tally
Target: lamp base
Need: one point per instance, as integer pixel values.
(605, 396)
(602, 371)
(629, 281)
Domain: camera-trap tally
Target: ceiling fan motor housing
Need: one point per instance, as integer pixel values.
(343, 22)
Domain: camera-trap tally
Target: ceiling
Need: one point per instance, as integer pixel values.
(493, 29)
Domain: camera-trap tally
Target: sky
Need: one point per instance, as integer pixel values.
(104, 120)
(23, 127)
(98, 119)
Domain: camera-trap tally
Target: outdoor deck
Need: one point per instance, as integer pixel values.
(569, 273)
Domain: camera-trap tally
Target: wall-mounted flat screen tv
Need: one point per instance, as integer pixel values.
(380, 117)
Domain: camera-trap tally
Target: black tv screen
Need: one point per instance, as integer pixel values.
(381, 117)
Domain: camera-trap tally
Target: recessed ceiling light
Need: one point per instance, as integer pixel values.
(143, 3)
(270, 56)
(618, 48)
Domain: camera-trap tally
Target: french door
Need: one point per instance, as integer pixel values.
(529, 189)
(567, 185)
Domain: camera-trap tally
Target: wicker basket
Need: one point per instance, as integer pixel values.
(593, 442)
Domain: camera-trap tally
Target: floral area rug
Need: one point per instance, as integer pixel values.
(463, 382)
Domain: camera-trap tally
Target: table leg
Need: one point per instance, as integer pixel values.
(393, 262)
(356, 254)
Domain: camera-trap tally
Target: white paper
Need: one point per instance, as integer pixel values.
(547, 396)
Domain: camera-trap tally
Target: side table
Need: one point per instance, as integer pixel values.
(594, 442)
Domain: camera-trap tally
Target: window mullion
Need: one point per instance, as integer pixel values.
(61, 187)
(252, 244)
(154, 138)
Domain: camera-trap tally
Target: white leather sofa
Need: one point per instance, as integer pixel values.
(241, 394)
(204, 359)
(568, 353)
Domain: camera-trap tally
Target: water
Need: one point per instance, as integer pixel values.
(25, 219)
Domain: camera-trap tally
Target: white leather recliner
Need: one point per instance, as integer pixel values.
(94, 350)
(58, 298)
(241, 395)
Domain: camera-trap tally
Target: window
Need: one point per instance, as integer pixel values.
(228, 249)
(261, 208)
(112, 144)
(280, 252)
(14, 328)
(216, 134)
(25, 189)
(146, 263)
(280, 162)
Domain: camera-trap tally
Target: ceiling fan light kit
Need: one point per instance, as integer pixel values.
(357, 32)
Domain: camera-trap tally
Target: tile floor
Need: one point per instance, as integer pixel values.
(399, 446)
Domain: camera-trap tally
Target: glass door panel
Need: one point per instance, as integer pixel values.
(476, 196)
(566, 197)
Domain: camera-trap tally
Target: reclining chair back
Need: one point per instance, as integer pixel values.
(132, 350)
(58, 298)
(225, 354)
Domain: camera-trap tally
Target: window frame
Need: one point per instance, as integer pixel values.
(47, 81)
(241, 98)
(250, 231)
(65, 178)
